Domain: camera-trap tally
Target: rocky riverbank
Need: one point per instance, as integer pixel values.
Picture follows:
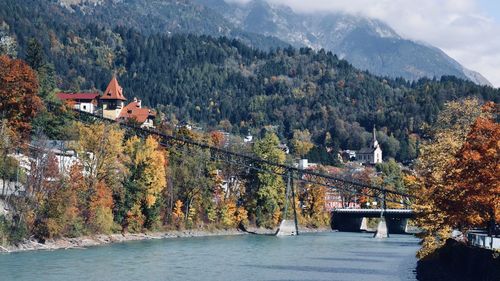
(97, 240)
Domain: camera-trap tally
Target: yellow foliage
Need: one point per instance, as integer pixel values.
(229, 214)
(241, 215)
(100, 149)
(135, 219)
(151, 159)
(276, 217)
(178, 214)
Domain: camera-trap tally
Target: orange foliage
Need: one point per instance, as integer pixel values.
(19, 102)
(474, 182)
(217, 138)
(101, 203)
(102, 196)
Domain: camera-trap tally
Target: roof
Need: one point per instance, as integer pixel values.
(134, 110)
(366, 150)
(114, 91)
(77, 96)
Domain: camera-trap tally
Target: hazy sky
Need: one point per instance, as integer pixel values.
(467, 30)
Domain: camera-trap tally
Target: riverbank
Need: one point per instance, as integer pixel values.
(458, 261)
(103, 239)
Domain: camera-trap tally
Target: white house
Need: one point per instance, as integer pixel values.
(87, 102)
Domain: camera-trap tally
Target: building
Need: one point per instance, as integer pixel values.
(347, 155)
(112, 100)
(111, 105)
(62, 150)
(304, 164)
(370, 155)
(334, 200)
(87, 102)
(134, 110)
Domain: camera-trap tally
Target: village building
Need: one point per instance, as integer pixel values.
(370, 155)
(87, 102)
(334, 200)
(347, 155)
(142, 115)
(111, 105)
(112, 100)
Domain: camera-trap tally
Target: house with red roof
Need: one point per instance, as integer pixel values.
(87, 102)
(112, 100)
(142, 115)
(111, 105)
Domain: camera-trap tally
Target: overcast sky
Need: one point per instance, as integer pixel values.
(467, 30)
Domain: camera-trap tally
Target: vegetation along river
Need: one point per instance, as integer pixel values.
(318, 256)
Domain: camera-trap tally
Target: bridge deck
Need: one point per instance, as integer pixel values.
(400, 213)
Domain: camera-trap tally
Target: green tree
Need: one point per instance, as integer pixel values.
(270, 191)
(34, 54)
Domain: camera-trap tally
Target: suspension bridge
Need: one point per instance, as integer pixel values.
(290, 173)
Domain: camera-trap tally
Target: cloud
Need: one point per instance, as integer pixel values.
(461, 28)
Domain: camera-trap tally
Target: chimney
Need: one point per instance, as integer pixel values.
(139, 104)
(135, 99)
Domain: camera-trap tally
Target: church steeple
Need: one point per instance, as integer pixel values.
(374, 140)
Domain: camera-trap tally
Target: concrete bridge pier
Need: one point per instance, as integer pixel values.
(287, 228)
(364, 224)
(382, 229)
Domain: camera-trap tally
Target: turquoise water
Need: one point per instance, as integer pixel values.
(319, 256)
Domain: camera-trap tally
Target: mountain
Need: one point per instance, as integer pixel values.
(366, 43)
(221, 83)
(164, 16)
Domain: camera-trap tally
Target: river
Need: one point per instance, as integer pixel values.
(319, 256)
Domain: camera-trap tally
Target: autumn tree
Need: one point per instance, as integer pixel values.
(178, 214)
(217, 138)
(19, 102)
(100, 150)
(47, 203)
(147, 177)
(101, 209)
(472, 186)
(301, 142)
(313, 198)
(444, 139)
(9, 141)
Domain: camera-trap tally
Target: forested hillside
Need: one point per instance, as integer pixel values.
(222, 83)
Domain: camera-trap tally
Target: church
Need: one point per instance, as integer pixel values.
(370, 155)
(111, 105)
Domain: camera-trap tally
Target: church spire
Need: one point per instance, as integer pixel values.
(374, 141)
